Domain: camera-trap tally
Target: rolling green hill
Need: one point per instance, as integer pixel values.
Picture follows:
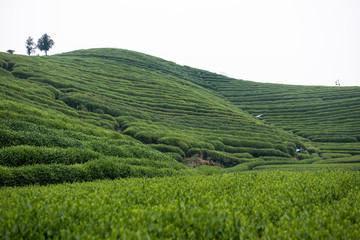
(109, 113)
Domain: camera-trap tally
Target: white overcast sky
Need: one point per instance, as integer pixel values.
(308, 42)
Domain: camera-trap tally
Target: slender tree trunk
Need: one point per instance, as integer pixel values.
(45, 53)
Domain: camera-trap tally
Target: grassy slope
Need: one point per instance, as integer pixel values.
(87, 98)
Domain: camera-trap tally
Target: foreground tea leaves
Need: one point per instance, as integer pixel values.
(265, 205)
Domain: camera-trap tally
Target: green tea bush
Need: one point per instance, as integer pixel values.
(243, 155)
(4, 73)
(3, 64)
(43, 174)
(245, 143)
(194, 152)
(271, 158)
(202, 145)
(15, 156)
(6, 178)
(149, 163)
(302, 156)
(109, 149)
(351, 159)
(290, 149)
(132, 131)
(68, 173)
(219, 146)
(268, 152)
(145, 171)
(327, 155)
(256, 152)
(167, 148)
(143, 151)
(175, 156)
(335, 139)
(90, 103)
(148, 137)
(10, 137)
(23, 73)
(103, 168)
(177, 142)
(107, 168)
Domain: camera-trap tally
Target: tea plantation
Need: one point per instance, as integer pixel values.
(250, 205)
(140, 147)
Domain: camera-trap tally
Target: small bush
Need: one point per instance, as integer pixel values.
(147, 137)
(175, 156)
(28, 155)
(201, 145)
(6, 178)
(109, 149)
(132, 131)
(9, 137)
(219, 146)
(42, 174)
(335, 139)
(351, 159)
(63, 173)
(334, 155)
(242, 155)
(194, 152)
(245, 143)
(302, 156)
(178, 142)
(106, 168)
(256, 152)
(168, 148)
(23, 176)
(145, 171)
(282, 148)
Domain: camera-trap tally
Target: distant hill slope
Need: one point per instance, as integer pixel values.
(90, 100)
(320, 114)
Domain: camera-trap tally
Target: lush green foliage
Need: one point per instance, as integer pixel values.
(130, 118)
(268, 205)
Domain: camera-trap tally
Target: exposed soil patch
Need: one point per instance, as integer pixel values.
(197, 161)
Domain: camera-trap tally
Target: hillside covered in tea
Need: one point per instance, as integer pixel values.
(110, 113)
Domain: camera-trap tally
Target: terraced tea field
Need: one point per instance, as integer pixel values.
(111, 105)
(327, 116)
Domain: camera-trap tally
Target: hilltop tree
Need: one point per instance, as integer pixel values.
(10, 51)
(30, 46)
(45, 43)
